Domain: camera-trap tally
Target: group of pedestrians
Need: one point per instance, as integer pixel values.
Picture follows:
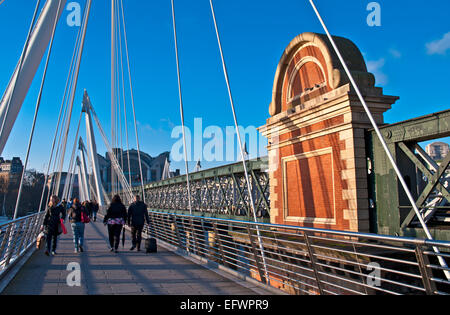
(117, 217)
(79, 214)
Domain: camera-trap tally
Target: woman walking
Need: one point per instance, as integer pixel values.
(95, 208)
(77, 216)
(52, 222)
(115, 218)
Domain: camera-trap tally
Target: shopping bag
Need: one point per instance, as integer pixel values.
(85, 218)
(63, 227)
(40, 241)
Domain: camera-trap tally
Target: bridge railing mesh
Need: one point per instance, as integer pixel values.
(16, 238)
(310, 261)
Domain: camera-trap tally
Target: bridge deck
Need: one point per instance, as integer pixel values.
(134, 273)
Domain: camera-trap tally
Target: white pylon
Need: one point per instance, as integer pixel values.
(18, 87)
(84, 171)
(93, 149)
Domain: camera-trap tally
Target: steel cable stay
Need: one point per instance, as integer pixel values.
(115, 96)
(66, 98)
(125, 113)
(124, 107)
(132, 98)
(66, 113)
(381, 138)
(72, 158)
(72, 94)
(114, 161)
(241, 147)
(120, 83)
(59, 124)
(113, 84)
(180, 93)
(19, 69)
(38, 105)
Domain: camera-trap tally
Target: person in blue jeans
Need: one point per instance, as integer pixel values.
(53, 216)
(76, 214)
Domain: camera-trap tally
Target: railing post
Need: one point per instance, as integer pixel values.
(12, 241)
(194, 236)
(177, 231)
(313, 263)
(219, 243)
(255, 254)
(5, 240)
(425, 271)
(32, 227)
(24, 235)
(153, 225)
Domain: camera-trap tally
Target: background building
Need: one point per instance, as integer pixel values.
(438, 150)
(12, 167)
(152, 167)
(152, 170)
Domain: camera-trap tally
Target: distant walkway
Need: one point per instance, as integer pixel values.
(105, 273)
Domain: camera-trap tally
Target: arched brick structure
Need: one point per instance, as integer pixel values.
(317, 152)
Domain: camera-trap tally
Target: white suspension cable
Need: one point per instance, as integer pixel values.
(132, 101)
(36, 112)
(72, 158)
(59, 160)
(22, 58)
(120, 83)
(252, 204)
(72, 180)
(57, 127)
(113, 85)
(125, 108)
(74, 86)
(66, 98)
(180, 93)
(380, 137)
(114, 161)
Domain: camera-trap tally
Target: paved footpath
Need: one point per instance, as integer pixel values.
(106, 273)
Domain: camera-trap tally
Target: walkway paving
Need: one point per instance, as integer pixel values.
(105, 273)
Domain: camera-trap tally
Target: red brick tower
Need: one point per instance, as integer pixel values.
(317, 149)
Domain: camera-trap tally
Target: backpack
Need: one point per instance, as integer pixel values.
(85, 218)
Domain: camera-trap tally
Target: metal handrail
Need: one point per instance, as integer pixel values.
(16, 238)
(299, 260)
(303, 260)
(410, 240)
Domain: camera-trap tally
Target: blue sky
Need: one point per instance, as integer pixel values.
(409, 54)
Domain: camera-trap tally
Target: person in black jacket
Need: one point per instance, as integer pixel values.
(52, 222)
(88, 206)
(115, 218)
(76, 214)
(95, 208)
(137, 216)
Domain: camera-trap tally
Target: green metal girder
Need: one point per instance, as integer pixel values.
(256, 164)
(419, 129)
(386, 191)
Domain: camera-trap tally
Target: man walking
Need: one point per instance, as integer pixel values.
(137, 216)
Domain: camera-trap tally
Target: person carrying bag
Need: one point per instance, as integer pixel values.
(115, 219)
(52, 226)
(137, 217)
(78, 217)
